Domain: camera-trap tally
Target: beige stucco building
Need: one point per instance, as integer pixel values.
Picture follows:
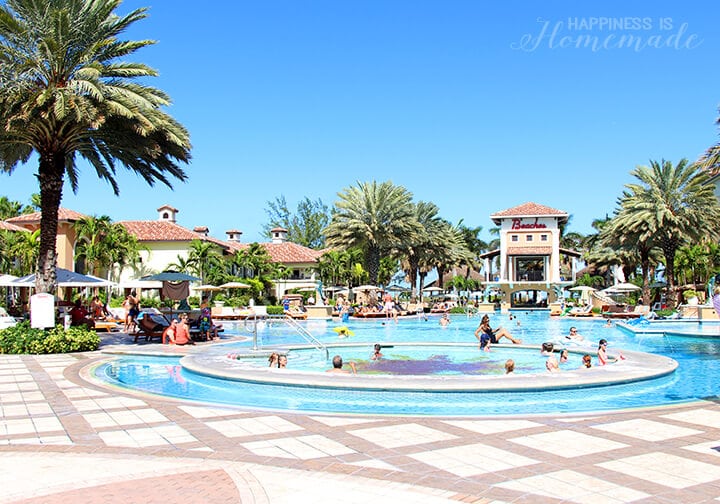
(530, 257)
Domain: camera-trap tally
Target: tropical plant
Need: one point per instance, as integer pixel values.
(9, 209)
(378, 217)
(676, 205)
(65, 93)
(203, 256)
(18, 251)
(305, 226)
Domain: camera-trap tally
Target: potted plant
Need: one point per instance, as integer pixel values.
(691, 297)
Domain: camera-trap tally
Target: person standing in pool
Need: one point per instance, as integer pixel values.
(377, 354)
(495, 335)
(337, 363)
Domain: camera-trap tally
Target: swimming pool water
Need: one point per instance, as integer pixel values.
(696, 377)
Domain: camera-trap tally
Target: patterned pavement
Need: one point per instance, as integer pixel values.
(66, 440)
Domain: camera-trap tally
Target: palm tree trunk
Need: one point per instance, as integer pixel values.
(645, 266)
(50, 177)
(373, 266)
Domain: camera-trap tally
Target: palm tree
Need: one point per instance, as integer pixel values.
(203, 256)
(676, 204)
(628, 240)
(91, 245)
(64, 93)
(376, 217)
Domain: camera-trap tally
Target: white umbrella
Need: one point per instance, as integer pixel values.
(234, 285)
(206, 288)
(6, 280)
(361, 288)
(623, 287)
(65, 278)
(584, 291)
(582, 288)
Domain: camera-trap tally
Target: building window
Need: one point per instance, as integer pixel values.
(529, 237)
(514, 238)
(543, 237)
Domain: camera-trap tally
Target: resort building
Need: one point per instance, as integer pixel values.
(300, 261)
(66, 237)
(531, 269)
(163, 242)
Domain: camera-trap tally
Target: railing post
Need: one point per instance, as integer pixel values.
(255, 345)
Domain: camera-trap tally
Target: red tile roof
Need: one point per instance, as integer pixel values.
(285, 253)
(64, 214)
(7, 226)
(150, 231)
(530, 209)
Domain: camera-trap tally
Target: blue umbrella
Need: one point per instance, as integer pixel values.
(170, 276)
(65, 278)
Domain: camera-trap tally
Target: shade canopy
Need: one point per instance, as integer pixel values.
(582, 288)
(235, 285)
(206, 288)
(170, 276)
(66, 279)
(7, 280)
(361, 288)
(623, 287)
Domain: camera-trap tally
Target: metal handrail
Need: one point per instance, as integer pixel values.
(302, 331)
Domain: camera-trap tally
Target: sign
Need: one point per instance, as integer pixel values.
(519, 224)
(42, 310)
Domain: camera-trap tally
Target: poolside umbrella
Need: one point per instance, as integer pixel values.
(584, 291)
(171, 276)
(623, 287)
(362, 288)
(206, 288)
(234, 285)
(66, 279)
(7, 280)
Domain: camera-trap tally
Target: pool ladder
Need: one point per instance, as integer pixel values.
(299, 329)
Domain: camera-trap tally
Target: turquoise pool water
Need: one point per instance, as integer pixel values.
(438, 360)
(696, 377)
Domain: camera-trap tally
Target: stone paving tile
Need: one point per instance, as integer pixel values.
(647, 430)
(55, 425)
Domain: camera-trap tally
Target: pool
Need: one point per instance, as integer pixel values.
(695, 377)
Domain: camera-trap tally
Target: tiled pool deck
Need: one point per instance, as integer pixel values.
(64, 440)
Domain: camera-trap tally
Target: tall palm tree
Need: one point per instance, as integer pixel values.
(676, 204)
(64, 93)
(375, 216)
(412, 248)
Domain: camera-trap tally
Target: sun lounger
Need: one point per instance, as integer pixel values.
(581, 312)
(151, 326)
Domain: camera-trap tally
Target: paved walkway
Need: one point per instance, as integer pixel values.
(66, 440)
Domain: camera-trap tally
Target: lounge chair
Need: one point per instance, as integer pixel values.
(581, 312)
(151, 326)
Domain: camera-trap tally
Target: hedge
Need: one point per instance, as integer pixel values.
(23, 339)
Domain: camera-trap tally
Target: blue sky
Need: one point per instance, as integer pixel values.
(465, 103)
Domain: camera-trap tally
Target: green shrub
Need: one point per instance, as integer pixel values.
(23, 339)
(458, 310)
(194, 301)
(275, 310)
